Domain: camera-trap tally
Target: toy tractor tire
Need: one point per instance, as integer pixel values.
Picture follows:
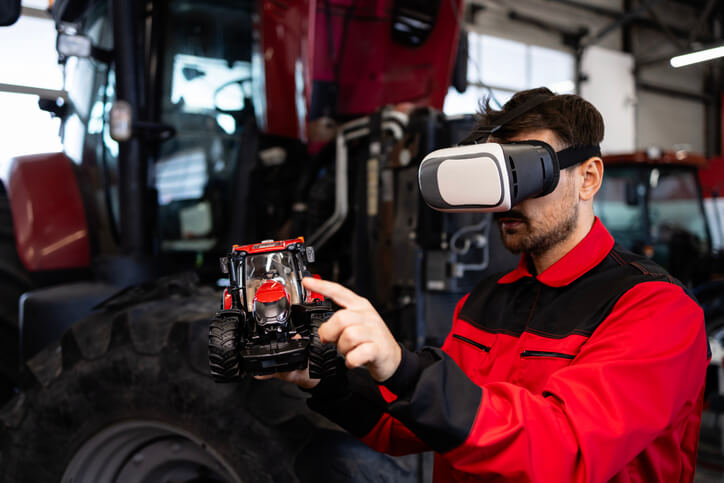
(223, 349)
(322, 357)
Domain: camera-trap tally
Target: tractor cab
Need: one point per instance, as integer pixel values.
(651, 203)
(267, 273)
(266, 269)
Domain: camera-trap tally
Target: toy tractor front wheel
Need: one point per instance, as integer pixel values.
(322, 357)
(223, 349)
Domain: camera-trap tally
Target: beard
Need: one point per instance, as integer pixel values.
(540, 235)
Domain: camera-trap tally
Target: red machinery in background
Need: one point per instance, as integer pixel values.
(191, 126)
(348, 58)
(711, 177)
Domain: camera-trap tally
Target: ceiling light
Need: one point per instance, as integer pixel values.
(698, 56)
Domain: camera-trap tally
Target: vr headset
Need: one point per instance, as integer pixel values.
(490, 177)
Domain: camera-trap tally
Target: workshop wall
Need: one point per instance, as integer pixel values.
(669, 104)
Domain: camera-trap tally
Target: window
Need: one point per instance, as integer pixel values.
(27, 54)
(211, 73)
(656, 210)
(500, 67)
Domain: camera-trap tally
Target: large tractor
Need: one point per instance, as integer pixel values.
(188, 127)
(651, 202)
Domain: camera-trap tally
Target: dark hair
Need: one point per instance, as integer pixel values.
(575, 120)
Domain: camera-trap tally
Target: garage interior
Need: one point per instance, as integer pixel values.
(144, 141)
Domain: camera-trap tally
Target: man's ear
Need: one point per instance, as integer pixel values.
(591, 171)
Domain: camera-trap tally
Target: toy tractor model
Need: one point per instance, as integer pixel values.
(268, 322)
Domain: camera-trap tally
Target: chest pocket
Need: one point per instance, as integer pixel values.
(541, 357)
(471, 348)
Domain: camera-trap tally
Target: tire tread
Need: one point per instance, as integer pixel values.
(223, 355)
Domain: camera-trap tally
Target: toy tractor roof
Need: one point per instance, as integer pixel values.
(267, 246)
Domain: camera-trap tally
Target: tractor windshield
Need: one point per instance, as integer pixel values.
(211, 84)
(274, 266)
(656, 211)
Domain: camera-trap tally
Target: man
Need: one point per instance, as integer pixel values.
(586, 363)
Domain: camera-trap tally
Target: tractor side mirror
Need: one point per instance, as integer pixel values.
(121, 121)
(309, 252)
(224, 264)
(123, 126)
(71, 44)
(9, 12)
(57, 107)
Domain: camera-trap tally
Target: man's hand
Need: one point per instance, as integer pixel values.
(358, 331)
(299, 377)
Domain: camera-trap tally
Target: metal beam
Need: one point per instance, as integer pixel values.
(571, 36)
(641, 63)
(132, 161)
(705, 15)
(675, 41)
(606, 12)
(35, 12)
(620, 22)
(639, 21)
(51, 94)
(673, 92)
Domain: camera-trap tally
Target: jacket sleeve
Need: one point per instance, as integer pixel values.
(357, 403)
(353, 400)
(641, 370)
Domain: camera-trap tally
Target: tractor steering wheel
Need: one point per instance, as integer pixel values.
(227, 92)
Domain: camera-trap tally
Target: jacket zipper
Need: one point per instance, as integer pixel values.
(546, 354)
(472, 342)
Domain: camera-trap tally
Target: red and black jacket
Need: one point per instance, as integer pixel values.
(591, 371)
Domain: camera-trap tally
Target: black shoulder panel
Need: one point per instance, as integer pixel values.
(557, 312)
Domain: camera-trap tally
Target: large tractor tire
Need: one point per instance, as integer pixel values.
(126, 396)
(14, 281)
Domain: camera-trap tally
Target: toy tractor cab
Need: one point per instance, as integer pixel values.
(268, 321)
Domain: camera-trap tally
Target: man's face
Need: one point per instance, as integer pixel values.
(537, 224)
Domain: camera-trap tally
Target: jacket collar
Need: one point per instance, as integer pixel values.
(583, 257)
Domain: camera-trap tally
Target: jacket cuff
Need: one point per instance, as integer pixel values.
(405, 378)
(350, 400)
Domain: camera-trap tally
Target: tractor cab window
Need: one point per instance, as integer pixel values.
(656, 211)
(621, 206)
(274, 266)
(212, 84)
(678, 225)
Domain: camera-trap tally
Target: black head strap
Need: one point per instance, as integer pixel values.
(482, 134)
(576, 154)
(566, 157)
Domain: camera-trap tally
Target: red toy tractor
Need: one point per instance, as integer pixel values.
(268, 321)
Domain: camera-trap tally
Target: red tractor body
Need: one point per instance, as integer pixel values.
(188, 126)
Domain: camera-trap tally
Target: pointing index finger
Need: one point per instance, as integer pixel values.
(341, 295)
